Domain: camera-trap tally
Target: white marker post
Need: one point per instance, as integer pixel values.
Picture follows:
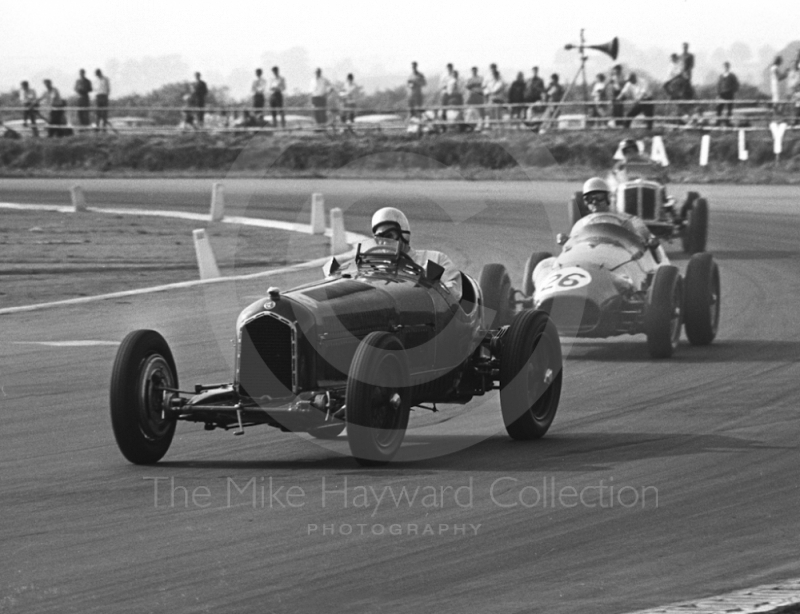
(658, 153)
(705, 146)
(205, 256)
(743, 155)
(777, 131)
(78, 198)
(338, 235)
(317, 214)
(217, 202)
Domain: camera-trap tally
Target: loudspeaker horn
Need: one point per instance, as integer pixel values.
(610, 48)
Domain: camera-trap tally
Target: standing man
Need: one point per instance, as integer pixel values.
(349, 96)
(29, 102)
(535, 87)
(776, 75)
(495, 92)
(53, 105)
(320, 88)
(638, 91)
(599, 97)
(516, 97)
(416, 81)
(83, 88)
(259, 90)
(615, 83)
(276, 86)
(199, 93)
(687, 62)
(446, 86)
(102, 91)
(475, 92)
(727, 86)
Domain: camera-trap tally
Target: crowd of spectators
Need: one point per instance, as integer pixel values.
(615, 99)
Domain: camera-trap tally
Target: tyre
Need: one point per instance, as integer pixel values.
(143, 368)
(498, 295)
(663, 315)
(377, 399)
(695, 232)
(702, 303)
(576, 209)
(530, 375)
(329, 431)
(527, 277)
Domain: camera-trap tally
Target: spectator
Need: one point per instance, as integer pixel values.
(599, 97)
(793, 89)
(446, 87)
(259, 90)
(475, 92)
(776, 75)
(188, 107)
(451, 94)
(416, 81)
(320, 88)
(516, 97)
(727, 86)
(199, 93)
(83, 88)
(102, 90)
(687, 64)
(615, 84)
(535, 88)
(29, 102)
(638, 91)
(54, 105)
(554, 94)
(349, 96)
(276, 86)
(495, 91)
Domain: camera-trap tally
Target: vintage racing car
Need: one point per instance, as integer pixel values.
(607, 282)
(646, 199)
(358, 349)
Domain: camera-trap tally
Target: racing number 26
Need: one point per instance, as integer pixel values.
(567, 279)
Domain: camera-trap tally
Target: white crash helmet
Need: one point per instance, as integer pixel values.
(595, 184)
(592, 189)
(392, 216)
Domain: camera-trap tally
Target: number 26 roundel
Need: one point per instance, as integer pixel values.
(565, 279)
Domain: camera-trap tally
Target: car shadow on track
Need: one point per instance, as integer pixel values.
(728, 350)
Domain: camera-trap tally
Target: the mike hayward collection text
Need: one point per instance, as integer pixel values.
(269, 493)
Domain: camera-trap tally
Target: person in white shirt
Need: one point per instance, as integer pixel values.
(54, 105)
(638, 91)
(776, 77)
(320, 88)
(102, 90)
(349, 98)
(599, 96)
(259, 91)
(495, 91)
(27, 98)
(391, 223)
(276, 86)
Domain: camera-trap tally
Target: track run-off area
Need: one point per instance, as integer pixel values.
(660, 481)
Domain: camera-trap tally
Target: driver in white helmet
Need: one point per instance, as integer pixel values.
(637, 165)
(391, 223)
(597, 198)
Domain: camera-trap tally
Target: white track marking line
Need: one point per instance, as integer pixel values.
(762, 599)
(68, 344)
(352, 238)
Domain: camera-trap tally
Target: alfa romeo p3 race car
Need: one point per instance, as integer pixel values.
(358, 349)
(607, 282)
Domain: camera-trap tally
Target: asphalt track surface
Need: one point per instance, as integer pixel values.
(706, 443)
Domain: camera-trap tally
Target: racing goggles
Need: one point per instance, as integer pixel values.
(596, 198)
(390, 232)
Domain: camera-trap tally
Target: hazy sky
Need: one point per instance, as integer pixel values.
(222, 36)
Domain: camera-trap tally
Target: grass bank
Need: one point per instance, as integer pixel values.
(561, 155)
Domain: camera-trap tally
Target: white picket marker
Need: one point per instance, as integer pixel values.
(317, 214)
(743, 155)
(777, 131)
(338, 235)
(78, 198)
(217, 202)
(705, 145)
(206, 261)
(658, 152)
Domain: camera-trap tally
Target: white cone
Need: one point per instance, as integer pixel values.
(217, 202)
(338, 235)
(705, 146)
(317, 214)
(743, 155)
(205, 256)
(78, 198)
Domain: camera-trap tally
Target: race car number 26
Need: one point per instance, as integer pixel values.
(566, 279)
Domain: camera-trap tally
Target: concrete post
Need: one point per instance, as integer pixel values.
(205, 256)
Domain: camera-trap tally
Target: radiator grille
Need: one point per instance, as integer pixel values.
(634, 196)
(267, 358)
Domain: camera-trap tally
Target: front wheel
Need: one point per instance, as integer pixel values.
(530, 375)
(695, 233)
(377, 399)
(498, 295)
(528, 286)
(702, 303)
(663, 317)
(143, 372)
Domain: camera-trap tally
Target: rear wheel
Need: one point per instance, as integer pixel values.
(142, 370)
(377, 399)
(527, 278)
(695, 233)
(498, 295)
(530, 375)
(702, 303)
(663, 315)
